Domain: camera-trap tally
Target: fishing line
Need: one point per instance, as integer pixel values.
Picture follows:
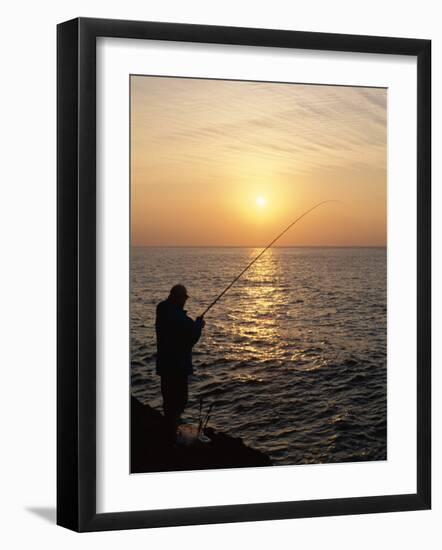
(200, 417)
(249, 265)
(207, 418)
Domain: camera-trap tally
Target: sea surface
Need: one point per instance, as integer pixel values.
(293, 357)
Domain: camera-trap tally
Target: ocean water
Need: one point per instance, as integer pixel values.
(293, 357)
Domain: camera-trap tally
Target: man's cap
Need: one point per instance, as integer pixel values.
(178, 291)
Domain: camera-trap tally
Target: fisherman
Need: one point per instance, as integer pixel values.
(176, 334)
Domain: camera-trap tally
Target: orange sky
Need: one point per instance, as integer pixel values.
(203, 151)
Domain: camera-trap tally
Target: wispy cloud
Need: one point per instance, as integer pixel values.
(190, 130)
(323, 125)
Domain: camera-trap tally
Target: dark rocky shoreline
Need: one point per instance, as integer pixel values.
(152, 452)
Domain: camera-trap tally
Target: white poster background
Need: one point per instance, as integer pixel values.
(117, 490)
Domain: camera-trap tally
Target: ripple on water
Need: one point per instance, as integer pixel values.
(293, 358)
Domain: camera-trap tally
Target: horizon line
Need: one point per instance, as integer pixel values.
(256, 246)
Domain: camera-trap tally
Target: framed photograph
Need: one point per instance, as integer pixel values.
(243, 274)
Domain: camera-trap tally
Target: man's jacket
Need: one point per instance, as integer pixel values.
(176, 335)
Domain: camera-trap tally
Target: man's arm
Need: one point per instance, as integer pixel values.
(198, 326)
(193, 330)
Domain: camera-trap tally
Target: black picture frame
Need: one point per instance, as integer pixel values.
(76, 273)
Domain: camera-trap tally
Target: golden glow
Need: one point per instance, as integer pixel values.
(257, 311)
(219, 163)
(261, 202)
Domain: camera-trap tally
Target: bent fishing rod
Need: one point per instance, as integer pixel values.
(249, 265)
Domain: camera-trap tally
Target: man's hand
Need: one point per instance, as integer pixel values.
(201, 321)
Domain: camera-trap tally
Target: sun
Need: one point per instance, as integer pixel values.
(260, 201)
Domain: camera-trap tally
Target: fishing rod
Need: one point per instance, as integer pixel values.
(249, 265)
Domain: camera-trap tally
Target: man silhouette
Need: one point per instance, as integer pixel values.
(176, 334)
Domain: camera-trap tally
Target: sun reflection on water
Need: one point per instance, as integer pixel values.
(256, 309)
